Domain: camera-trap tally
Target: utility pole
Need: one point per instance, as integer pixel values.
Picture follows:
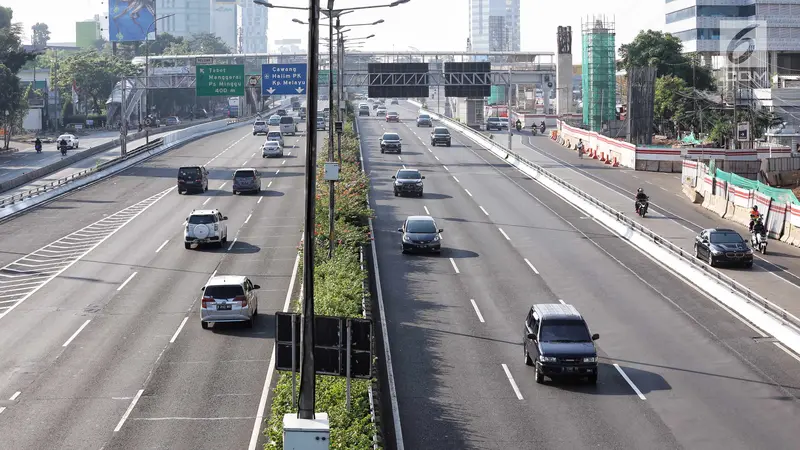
(340, 81)
(331, 117)
(508, 108)
(123, 121)
(306, 404)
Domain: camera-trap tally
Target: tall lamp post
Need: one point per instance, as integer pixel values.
(147, 73)
(306, 403)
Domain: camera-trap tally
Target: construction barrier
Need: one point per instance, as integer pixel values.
(776, 218)
(791, 234)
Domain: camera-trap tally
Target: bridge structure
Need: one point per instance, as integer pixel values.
(511, 69)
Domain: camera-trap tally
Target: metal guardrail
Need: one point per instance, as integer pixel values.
(56, 184)
(721, 278)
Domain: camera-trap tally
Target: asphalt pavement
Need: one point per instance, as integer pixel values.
(104, 349)
(677, 371)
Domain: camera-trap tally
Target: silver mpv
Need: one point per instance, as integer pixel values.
(229, 298)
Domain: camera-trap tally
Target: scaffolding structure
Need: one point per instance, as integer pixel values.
(599, 72)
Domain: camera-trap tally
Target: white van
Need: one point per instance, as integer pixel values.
(288, 126)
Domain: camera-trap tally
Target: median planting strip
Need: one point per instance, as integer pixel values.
(339, 291)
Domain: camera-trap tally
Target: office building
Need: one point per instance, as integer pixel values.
(224, 22)
(494, 25)
(252, 27)
(87, 32)
(190, 17)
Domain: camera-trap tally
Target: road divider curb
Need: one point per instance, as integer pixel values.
(762, 313)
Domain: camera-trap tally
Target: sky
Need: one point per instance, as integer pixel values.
(419, 24)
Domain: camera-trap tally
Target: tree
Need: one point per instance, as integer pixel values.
(41, 34)
(673, 104)
(207, 44)
(94, 73)
(664, 51)
(10, 101)
(12, 55)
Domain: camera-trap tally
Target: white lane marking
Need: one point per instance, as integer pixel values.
(277, 171)
(283, 162)
(121, 286)
(785, 349)
(289, 154)
(14, 397)
(445, 168)
(223, 185)
(75, 334)
(212, 276)
(207, 200)
(426, 210)
(504, 234)
(634, 176)
(161, 246)
(232, 244)
(262, 198)
(562, 302)
(178, 331)
(254, 154)
(477, 311)
(268, 185)
(453, 262)
(468, 192)
(248, 218)
(454, 177)
(2, 408)
(398, 157)
(404, 166)
(513, 383)
(633, 386)
(129, 410)
(484, 211)
(437, 158)
(245, 163)
(531, 266)
(663, 189)
(262, 404)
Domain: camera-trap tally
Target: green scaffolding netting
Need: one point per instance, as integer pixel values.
(777, 194)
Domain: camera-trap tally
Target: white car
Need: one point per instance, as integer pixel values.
(275, 136)
(72, 141)
(381, 111)
(205, 226)
(229, 298)
(260, 126)
(271, 148)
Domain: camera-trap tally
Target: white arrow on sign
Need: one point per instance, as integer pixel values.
(271, 90)
(202, 70)
(299, 90)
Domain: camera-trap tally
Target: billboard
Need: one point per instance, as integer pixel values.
(130, 20)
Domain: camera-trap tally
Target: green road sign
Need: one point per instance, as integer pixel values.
(220, 80)
(324, 76)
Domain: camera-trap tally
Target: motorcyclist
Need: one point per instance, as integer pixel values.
(63, 146)
(579, 147)
(641, 197)
(519, 125)
(37, 144)
(542, 127)
(758, 227)
(754, 214)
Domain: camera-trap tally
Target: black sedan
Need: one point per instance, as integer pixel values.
(421, 235)
(408, 181)
(723, 246)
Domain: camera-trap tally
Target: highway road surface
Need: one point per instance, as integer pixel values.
(102, 345)
(676, 371)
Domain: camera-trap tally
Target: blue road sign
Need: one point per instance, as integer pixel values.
(283, 79)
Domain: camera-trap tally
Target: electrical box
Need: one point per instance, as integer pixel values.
(338, 126)
(331, 171)
(306, 434)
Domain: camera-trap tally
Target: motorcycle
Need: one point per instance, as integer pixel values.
(641, 207)
(542, 128)
(63, 150)
(533, 131)
(519, 127)
(38, 148)
(759, 242)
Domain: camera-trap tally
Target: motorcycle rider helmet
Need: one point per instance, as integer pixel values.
(755, 207)
(639, 191)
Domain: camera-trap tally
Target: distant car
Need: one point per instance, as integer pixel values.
(259, 127)
(723, 246)
(302, 113)
(281, 112)
(275, 136)
(205, 226)
(271, 148)
(504, 122)
(392, 116)
(376, 106)
(381, 111)
(495, 123)
(246, 180)
(363, 109)
(72, 141)
(229, 298)
(295, 105)
(274, 120)
(192, 178)
(424, 120)
(172, 120)
(420, 234)
(321, 123)
(408, 181)
(288, 126)
(390, 142)
(557, 342)
(394, 102)
(440, 135)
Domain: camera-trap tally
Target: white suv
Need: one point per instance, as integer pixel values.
(260, 126)
(205, 226)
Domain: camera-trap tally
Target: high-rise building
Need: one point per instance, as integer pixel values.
(87, 32)
(494, 25)
(252, 27)
(190, 17)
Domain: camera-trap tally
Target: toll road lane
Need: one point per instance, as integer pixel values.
(85, 389)
(627, 297)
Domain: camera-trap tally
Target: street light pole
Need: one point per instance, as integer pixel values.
(307, 394)
(147, 75)
(331, 117)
